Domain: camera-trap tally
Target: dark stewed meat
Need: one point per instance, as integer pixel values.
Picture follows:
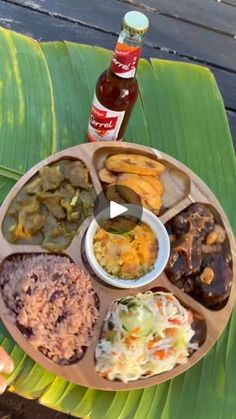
(191, 255)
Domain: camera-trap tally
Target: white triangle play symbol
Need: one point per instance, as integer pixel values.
(116, 209)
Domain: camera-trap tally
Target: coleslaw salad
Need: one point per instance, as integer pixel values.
(144, 335)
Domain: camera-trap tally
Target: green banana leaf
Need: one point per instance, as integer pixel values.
(45, 97)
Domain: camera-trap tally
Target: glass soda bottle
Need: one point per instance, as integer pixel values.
(117, 87)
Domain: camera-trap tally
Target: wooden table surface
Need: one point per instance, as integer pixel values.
(199, 31)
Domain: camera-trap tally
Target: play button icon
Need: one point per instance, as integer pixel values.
(118, 209)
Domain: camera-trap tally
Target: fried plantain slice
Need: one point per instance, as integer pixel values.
(134, 163)
(156, 184)
(131, 181)
(106, 175)
(148, 195)
(153, 203)
(150, 183)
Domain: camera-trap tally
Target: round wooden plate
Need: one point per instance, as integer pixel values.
(182, 188)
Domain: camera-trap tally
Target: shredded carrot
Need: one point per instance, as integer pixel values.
(105, 373)
(159, 306)
(161, 354)
(129, 340)
(152, 343)
(171, 331)
(175, 321)
(135, 330)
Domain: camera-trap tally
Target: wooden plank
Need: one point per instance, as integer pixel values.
(16, 18)
(226, 80)
(49, 28)
(227, 85)
(45, 27)
(229, 2)
(14, 406)
(209, 13)
(171, 34)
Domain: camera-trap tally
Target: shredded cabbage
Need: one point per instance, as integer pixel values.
(143, 336)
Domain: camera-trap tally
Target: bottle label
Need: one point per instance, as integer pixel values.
(125, 60)
(104, 124)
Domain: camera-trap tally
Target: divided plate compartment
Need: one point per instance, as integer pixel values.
(182, 188)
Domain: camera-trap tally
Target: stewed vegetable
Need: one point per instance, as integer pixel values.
(49, 209)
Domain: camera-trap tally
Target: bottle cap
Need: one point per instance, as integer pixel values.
(136, 23)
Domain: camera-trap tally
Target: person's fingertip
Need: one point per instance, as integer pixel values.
(6, 361)
(8, 369)
(12, 366)
(3, 387)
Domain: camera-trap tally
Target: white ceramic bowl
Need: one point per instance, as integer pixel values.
(162, 256)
